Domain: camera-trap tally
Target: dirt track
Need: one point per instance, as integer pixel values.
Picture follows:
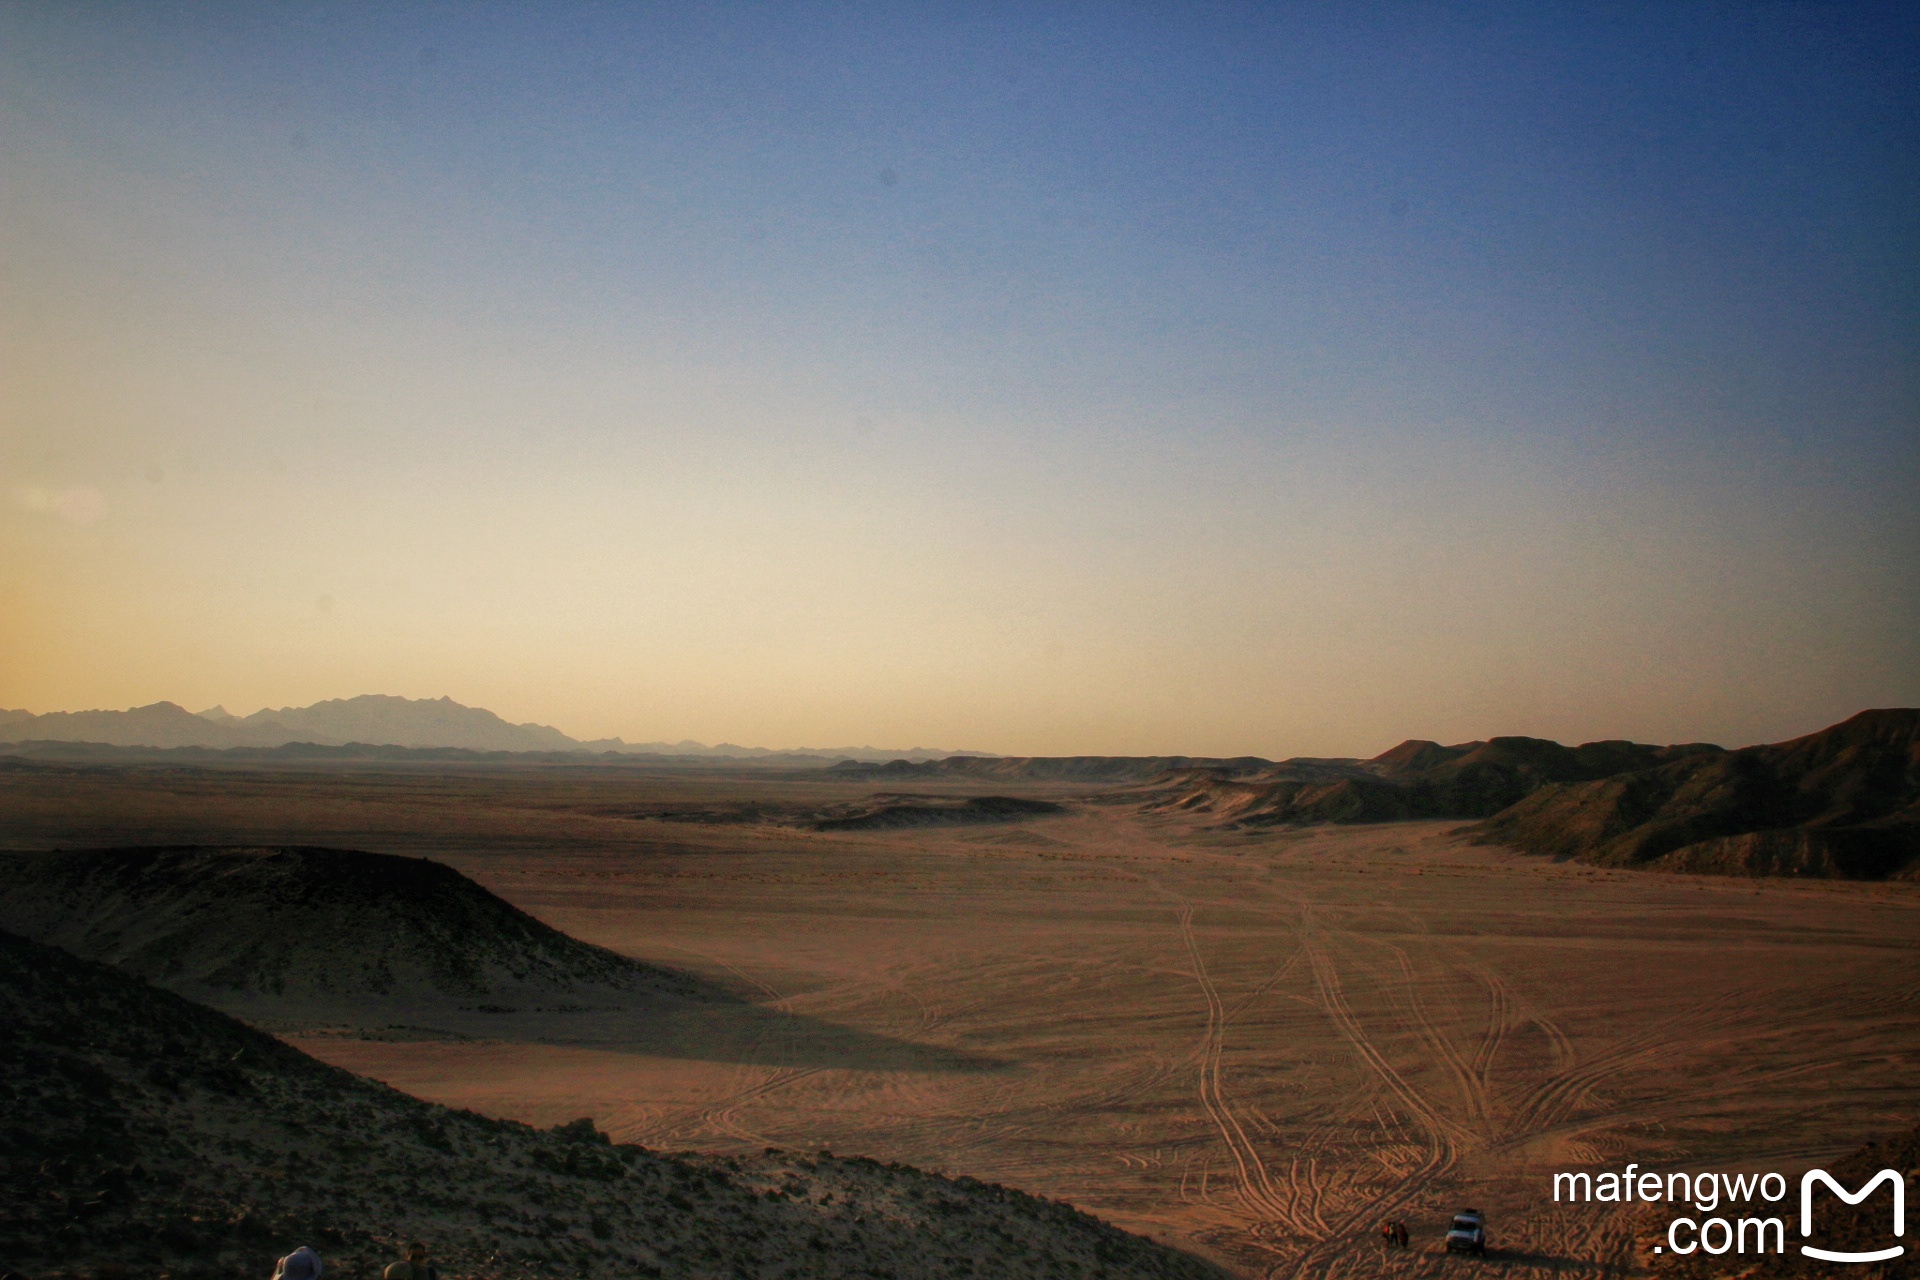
(1256, 1046)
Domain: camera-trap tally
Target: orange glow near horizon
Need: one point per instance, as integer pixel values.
(732, 397)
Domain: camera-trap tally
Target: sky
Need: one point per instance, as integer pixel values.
(1040, 378)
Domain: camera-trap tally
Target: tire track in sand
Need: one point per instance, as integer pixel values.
(723, 1116)
(1258, 1192)
(1444, 1137)
(1469, 1079)
(1256, 1181)
(1555, 1099)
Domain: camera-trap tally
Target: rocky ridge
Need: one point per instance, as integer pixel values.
(1841, 1227)
(1841, 802)
(1417, 779)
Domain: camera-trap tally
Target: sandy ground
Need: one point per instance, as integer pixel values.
(1254, 1046)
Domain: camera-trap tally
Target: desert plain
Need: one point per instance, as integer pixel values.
(1254, 1045)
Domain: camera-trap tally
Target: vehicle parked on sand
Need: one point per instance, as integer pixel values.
(1468, 1233)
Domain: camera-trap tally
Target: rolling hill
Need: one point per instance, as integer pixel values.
(1851, 1228)
(1417, 779)
(1841, 802)
(305, 923)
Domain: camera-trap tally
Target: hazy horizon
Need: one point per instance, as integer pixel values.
(916, 748)
(1034, 381)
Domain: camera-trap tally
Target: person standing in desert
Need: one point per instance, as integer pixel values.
(416, 1267)
(302, 1264)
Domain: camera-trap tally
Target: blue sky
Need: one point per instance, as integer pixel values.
(1052, 378)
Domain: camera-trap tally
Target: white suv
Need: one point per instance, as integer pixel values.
(1468, 1234)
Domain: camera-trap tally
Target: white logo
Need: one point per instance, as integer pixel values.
(1853, 1197)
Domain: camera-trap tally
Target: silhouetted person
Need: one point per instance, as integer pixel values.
(416, 1267)
(302, 1264)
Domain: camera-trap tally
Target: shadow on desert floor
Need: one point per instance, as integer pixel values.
(715, 1027)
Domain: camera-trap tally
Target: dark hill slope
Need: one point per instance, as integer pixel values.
(302, 922)
(1488, 776)
(1844, 801)
(1416, 779)
(1840, 1226)
(143, 1131)
(1280, 798)
(887, 813)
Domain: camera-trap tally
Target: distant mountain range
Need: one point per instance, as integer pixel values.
(374, 719)
(1841, 802)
